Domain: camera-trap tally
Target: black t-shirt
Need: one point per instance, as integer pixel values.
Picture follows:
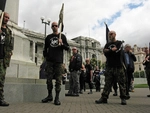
(114, 58)
(2, 40)
(52, 50)
(96, 72)
(88, 68)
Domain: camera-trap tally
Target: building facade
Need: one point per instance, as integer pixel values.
(28, 51)
(140, 54)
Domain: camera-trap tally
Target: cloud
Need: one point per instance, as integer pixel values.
(129, 18)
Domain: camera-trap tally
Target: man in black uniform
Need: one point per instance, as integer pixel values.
(114, 69)
(53, 53)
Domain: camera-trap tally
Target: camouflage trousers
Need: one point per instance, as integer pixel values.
(111, 75)
(54, 71)
(148, 76)
(2, 79)
(74, 82)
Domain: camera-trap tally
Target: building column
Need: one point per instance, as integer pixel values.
(33, 52)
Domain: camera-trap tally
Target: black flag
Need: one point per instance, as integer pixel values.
(107, 30)
(149, 47)
(2, 8)
(2, 5)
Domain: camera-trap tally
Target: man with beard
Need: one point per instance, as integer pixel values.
(114, 69)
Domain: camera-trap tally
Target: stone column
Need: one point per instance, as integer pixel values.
(12, 7)
(33, 52)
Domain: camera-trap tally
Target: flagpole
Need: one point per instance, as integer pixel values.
(60, 30)
(61, 21)
(1, 20)
(149, 48)
(105, 23)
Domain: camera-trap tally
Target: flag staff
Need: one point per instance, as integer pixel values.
(60, 22)
(1, 19)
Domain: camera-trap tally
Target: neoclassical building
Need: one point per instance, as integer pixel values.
(140, 54)
(87, 47)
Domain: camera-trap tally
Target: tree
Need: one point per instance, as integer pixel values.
(95, 63)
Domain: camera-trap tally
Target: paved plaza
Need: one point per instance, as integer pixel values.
(85, 103)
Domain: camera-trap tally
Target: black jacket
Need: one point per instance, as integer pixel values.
(52, 50)
(75, 62)
(146, 63)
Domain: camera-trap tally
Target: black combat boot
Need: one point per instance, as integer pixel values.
(49, 97)
(69, 93)
(90, 91)
(148, 95)
(98, 89)
(56, 101)
(81, 92)
(123, 102)
(101, 101)
(3, 103)
(127, 97)
(115, 94)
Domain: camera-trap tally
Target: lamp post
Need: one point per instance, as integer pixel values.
(46, 23)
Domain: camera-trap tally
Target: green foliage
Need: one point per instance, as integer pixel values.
(136, 74)
(141, 86)
(95, 63)
(103, 66)
(140, 74)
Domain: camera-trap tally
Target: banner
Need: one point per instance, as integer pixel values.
(60, 22)
(149, 48)
(2, 8)
(2, 5)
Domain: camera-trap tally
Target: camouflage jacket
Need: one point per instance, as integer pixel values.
(8, 47)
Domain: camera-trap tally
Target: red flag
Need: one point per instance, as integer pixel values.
(2, 5)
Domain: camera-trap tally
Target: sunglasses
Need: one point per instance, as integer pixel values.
(54, 25)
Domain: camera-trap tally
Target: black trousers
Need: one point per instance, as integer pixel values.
(129, 76)
(82, 82)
